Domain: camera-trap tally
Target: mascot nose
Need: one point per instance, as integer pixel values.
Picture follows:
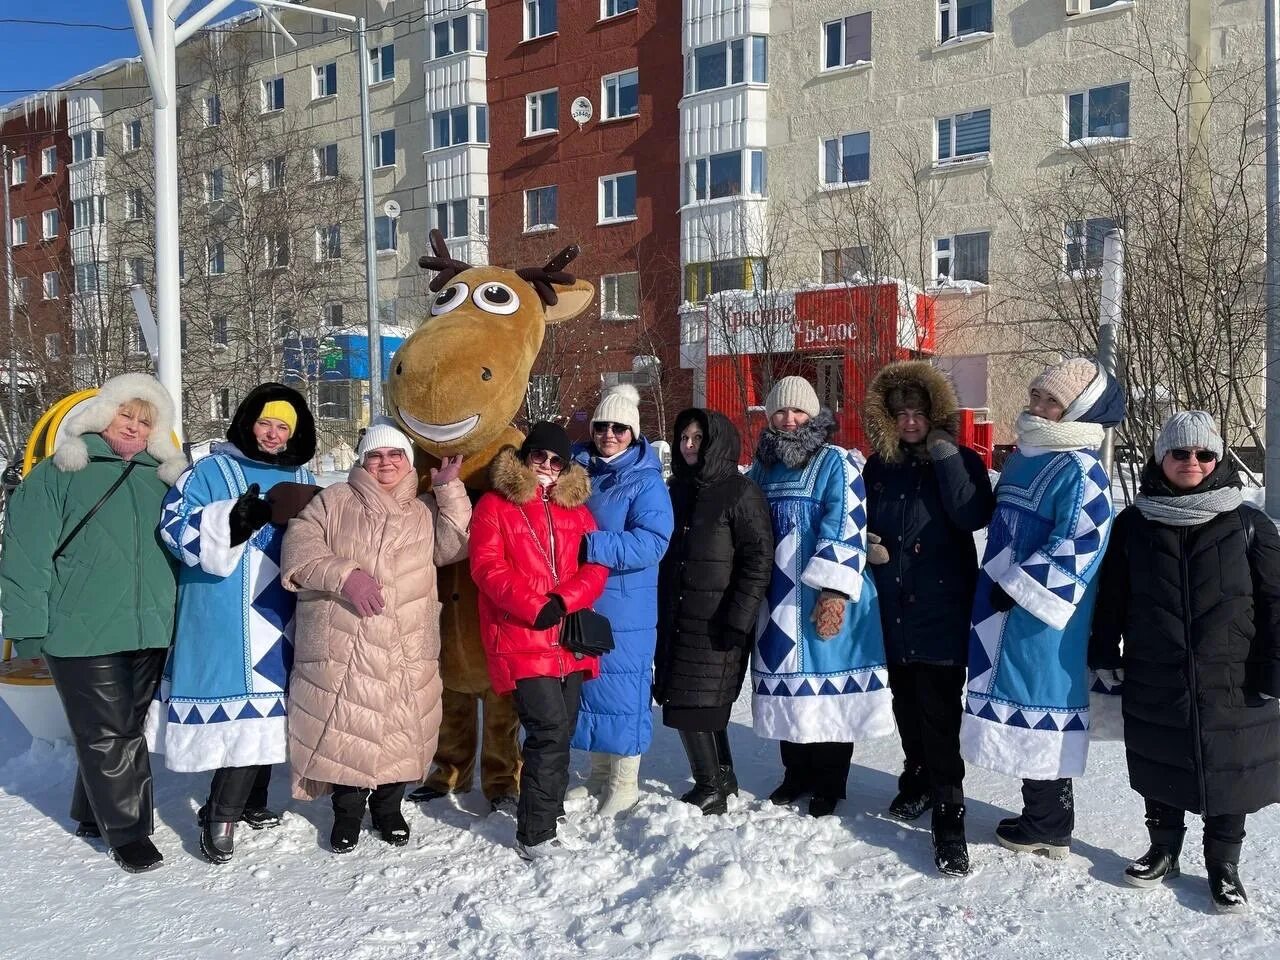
(486, 373)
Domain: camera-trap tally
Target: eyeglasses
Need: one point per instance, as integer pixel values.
(617, 429)
(391, 456)
(539, 457)
(1203, 456)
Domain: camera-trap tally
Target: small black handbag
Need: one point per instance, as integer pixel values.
(586, 634)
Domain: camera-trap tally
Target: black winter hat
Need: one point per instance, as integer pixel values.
(545, 435)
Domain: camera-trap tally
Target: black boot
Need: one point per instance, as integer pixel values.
(708, 793)
(217, 841)
(425, 794)
(1160, 862)
(950, 851)
(89, 830)
(388, 819)
(137, 856)
(1225, 887)
(914, 796)
(728, 779)
(788, 791)
(345, 833)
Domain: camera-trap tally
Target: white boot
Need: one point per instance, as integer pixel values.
(597, 778)
(624, 787)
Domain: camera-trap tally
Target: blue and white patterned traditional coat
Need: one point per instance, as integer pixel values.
(1027, 710)
(807, 689)
(223, 698)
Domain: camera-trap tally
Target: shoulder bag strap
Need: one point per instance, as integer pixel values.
(66, 542)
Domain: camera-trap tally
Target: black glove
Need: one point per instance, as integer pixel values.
(582, 550)
(1001, 601)
(250, 514)
(288, 499)
(551, 614)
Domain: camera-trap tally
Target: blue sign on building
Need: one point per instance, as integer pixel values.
(342, 356)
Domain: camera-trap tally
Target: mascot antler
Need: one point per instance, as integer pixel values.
(447, 266)
(542, 278)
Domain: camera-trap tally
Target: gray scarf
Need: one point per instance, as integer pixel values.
(1189, 510)
(794, 450)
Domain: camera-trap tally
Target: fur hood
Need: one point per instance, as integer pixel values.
(794, 450)
(882, 430)
(519, 484)
(302, 441)
(95, 415)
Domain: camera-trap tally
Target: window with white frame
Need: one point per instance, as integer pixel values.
(324, 80)
(962, 257)
(18, 171)
(725, 64)
(384, 148)
(88, 145)
(846, 159)
(382, 63)
(846, 41)
(482, 216)
(220, 404)
(50, 224)
(329, 242)
(134, 206)
(219, 330)
(1101, 112)
(715, 276)
(21, 287)
(965, 136)
(451, 218)
(539, 18)
(540, 208)
(276, 250)
(723, 175)
(52, 284)
(613, 8)
(620, 94)
(620, 296)
(458, 35)
(326, 161)
(333, 316)
(212, 111)
(618, 197)
(213, 191)
(19, 231)
(273, 173)
(133, 134)
(48, 161)
(1083, 243)
(846, 264)
(272, 94)
(216, 258)
(386, 234)
(88, 211)
(542, 112)
(455, 126)
(88, 276)
(963, 18)
(1085, 6)
(137, 271)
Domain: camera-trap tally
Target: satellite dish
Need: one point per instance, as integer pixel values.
(581, 111)
(391, 209)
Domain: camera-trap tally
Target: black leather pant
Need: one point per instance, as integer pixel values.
(928, 700)
(106, 700)
(234, 788)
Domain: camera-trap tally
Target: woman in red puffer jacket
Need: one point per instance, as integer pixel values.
(526, 540)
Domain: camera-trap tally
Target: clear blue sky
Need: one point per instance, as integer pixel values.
(41, 56)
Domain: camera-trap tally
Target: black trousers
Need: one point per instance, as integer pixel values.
(821, 768)
(1223, 834)
(1049, 808)
(548, 709)
(106, 700)
(234, 788)
(927, 704)
(349, 802)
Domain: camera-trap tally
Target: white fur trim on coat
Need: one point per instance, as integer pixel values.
(217, 555)
(95, 415)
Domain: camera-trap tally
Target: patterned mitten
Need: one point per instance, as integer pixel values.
(828, 613)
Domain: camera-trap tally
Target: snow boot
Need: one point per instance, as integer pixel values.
(506, 804)
(1225, 887)
(1013, 835)
(597, 779)
(218, 841)
(708, 793)
(392, 827)
(555, 847)
(260, 818)
(787, 792)
(822, 806)
(728, 779)
(88, 830)
(345, 834)
(1160, 862)
(623, 791)
(137, 856)
(950, 851)
(914, 797)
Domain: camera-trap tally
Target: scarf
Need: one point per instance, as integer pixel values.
(1056, 437)
(126, 449)
(794, 450)
(1216, 494)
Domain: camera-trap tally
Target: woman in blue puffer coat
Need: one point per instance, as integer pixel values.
(633, 511)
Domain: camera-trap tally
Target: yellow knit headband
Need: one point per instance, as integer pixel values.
(281, 410)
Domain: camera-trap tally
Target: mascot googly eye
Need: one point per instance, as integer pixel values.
(494, 297)
(450, 298)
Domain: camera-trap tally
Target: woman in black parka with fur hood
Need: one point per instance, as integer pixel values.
(710, 585)
(1191, 581)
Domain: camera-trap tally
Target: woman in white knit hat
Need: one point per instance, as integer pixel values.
(818, 671)
(365, 690)
(631, 507)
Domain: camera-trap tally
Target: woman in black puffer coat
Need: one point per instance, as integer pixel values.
(710, 585)
(1191, 581)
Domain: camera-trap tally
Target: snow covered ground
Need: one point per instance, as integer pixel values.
(760, 882)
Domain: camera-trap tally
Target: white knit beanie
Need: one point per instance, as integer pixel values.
(1186, 429)
(792, 393)
(620, 404)
(1067, 380)
(383, 432)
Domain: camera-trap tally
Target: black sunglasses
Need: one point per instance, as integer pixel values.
(539, 457)
(1204, 456)
(617, 429)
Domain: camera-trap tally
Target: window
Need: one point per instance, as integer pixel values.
(453, 36)
(619, 296)
(720, 175)
(216, 258)
(52, 346)
(621, 94)
(133, 204)
(540, 208)
(966, 136)
(18, 171)
(758, 182)
(137, 271)
(386, 234)
(846, 264)
(329, 242)
(50, 224)
(20, 288)
(962, 257)
(451, 127)
(133, 135)
(213, 185)
(384, 148)
(324, 80)
(48, 161)
(961, 18)
(19, 231)
(326, 161)
(382, 63)
(218, 330)
(212, 111)
(1099, 112)
(542, 112)
(451, 218)
(744, 273)
(272, 94)
(539, 18)
(220, 404)
(1083, 243)
(847, 42)
(482, 216)
(88, 211)
(88, 145)
(276, 250)
(1084, 6)
(52, 284)
(88, 276)
(333, 314)
(612, 8)
(846, 159)
(618, 197)
(333, 399)
(273, 173)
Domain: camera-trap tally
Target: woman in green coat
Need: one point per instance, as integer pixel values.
(96, 600)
